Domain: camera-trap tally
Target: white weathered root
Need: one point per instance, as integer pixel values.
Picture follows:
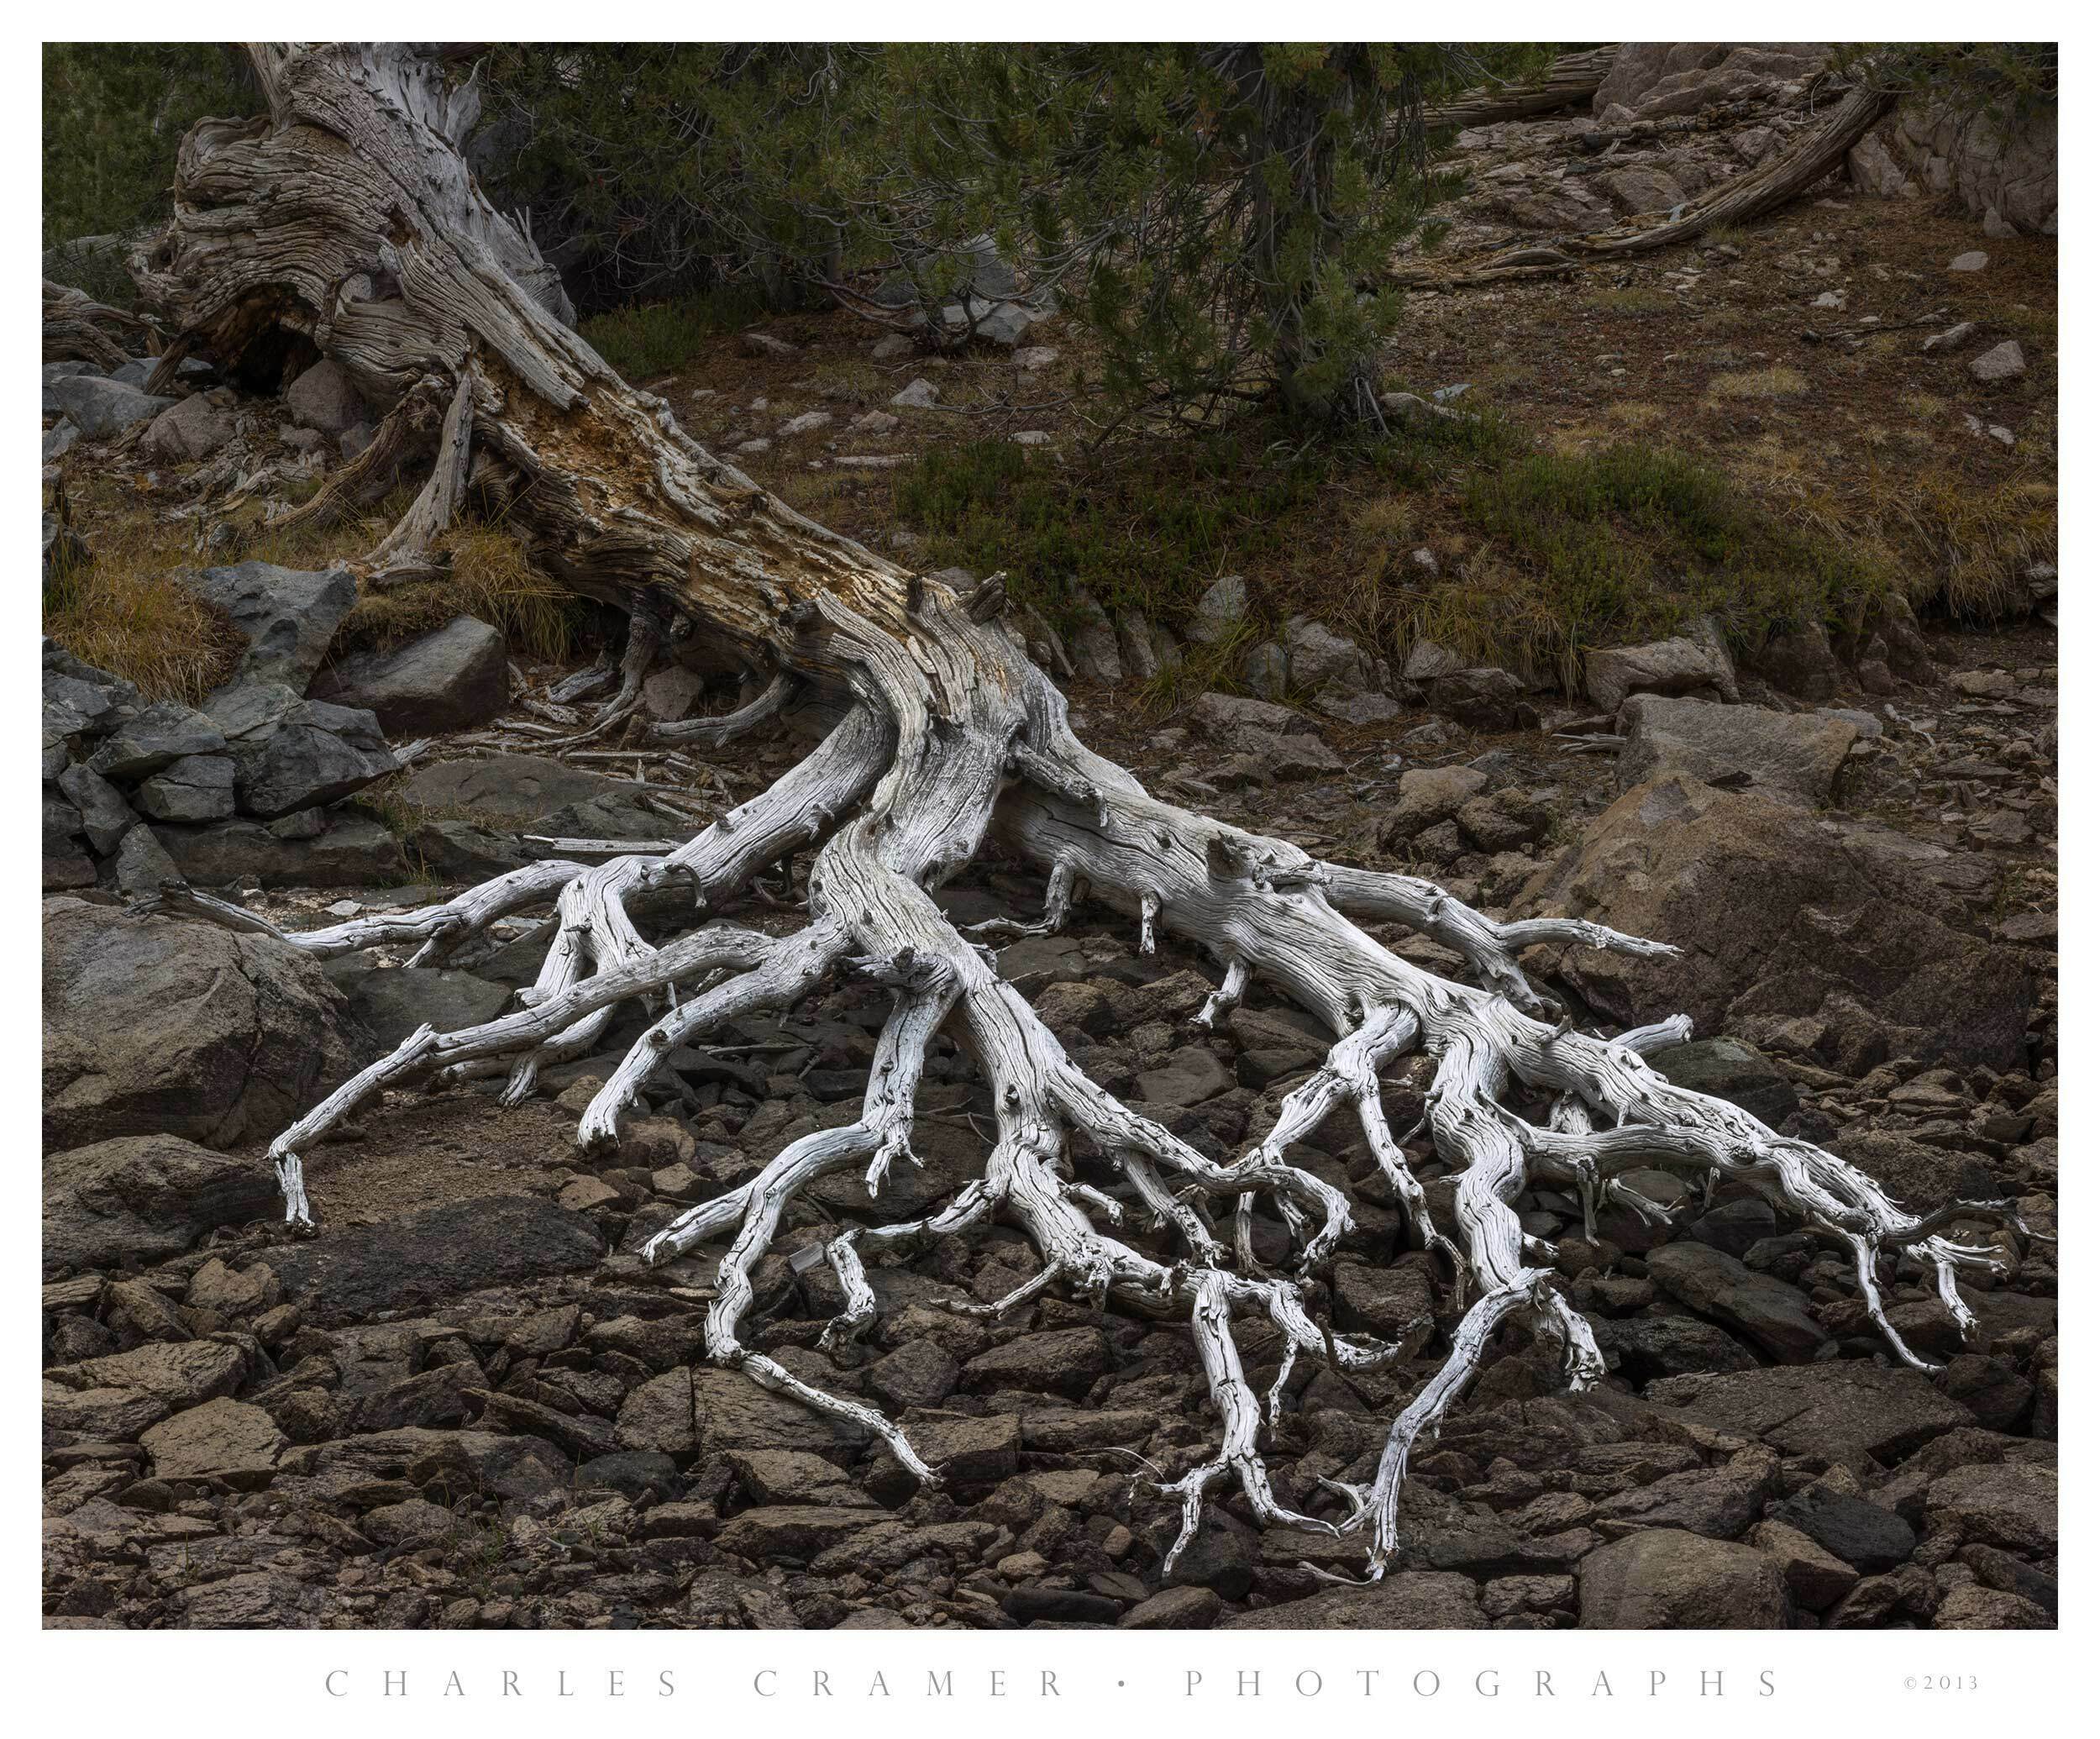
(408, 552)
(1266, 910)
(1259, 906)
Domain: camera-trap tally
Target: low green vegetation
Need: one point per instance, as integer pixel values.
(1541, 555)
(1151, 524)
(1629, 542)
(652, 339)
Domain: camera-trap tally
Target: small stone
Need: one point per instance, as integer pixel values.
(1971, 262)
(919, 395)
(2000, 362)
(1219, 612)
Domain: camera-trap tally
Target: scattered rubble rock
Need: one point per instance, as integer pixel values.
(1664, 1579)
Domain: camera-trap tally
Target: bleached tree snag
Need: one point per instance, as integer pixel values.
(1811, 157)
(941, 734)
(1568, 80)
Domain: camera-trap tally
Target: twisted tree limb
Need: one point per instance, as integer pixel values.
(1568, 80)
(944, 734)
(78, 329)
(1811, 157)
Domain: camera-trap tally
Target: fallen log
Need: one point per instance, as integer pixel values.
(1813, 155)
(1570, 80)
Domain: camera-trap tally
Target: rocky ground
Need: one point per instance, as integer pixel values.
(467, 1403)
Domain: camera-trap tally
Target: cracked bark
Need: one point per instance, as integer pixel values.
(349, 215)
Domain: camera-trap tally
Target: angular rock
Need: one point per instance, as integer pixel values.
(222, 1439)
(349, 850)
(1063, 1362)
(1218, 613)
(324, 398)
(1813, 1578)
(104, 816)
(286, 615)
(1187, 1077)
(163, 733)
(1096, 656)
(1844, 1410)
(1768, 1311)
(195, 428)
(1484, 697)
(1728, 1068)
(1174, 1609)
(432, 1254)
(1413, 1600)
(795, 1532)
(1665, 1580)
(1643, 1348)
(1791, 755)
(450, 679)
(290, 754)
(1865, 1535)
(965, 1449)
(107, 1416)
(1974, 1607)
(508, 791)
(1778, 916)
(1322, 659)
(1799, 662)
(141, 867)
(1680, 665)
(1719, 1503)
(1426, 796)
(145, 1198)
(1060, 1605)
(99, 407)
(2009, 1506)
(1240, 723)
(1387, 1302)
(195, 788)
(391, 1002)
(183, 1374)
(919, 1374)
(154, 1025)
(2000, 362)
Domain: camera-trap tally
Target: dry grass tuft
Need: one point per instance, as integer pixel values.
(141, 624)
(490, 578)
(1778, 381)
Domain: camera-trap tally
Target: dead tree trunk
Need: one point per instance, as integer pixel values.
(1811, 157)
(350, 216)
(1567, 81)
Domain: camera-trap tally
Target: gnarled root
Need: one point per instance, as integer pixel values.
(1261, 907)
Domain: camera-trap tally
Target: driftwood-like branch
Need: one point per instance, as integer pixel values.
(1812, 156)
(1567, 81)
(946, 735)
(406, 553)
(78, 329)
